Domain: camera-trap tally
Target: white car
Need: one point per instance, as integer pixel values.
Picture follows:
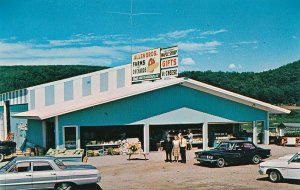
(24, 173)
(287, 167)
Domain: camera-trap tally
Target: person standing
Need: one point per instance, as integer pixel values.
(168, 146)
(190, 138)
(176, 149)
(182, 145)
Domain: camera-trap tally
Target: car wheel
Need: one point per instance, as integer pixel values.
(220, 163)
(1, 157)
(274, 176)
(64, 186)
(256, 159)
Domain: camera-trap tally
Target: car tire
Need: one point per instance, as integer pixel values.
(1, 157)
(275, 176)
(64, 186)
(220, 163)
(256, 159)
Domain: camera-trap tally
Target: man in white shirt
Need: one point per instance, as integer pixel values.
(183, 145)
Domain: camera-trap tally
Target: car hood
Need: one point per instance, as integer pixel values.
(276, 162)
(79, 167)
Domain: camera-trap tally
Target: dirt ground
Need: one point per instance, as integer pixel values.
(120, 173)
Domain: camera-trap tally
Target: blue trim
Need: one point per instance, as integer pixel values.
(49, 95)
(19, 108)
(32, 99)
(103, 82)
(120, 78)
(68, 90)
(86, 86)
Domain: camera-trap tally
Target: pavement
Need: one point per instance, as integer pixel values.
(120, 173)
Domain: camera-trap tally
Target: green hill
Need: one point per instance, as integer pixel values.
(278, 86)
(16, 77)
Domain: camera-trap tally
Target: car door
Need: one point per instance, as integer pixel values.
(293, 169)
(19, 177)
(238, 149)
(248, 150)
(44, 176)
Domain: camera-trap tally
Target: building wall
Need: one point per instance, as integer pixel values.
(139, 107)
(14, 97)
(14, 122)
(54, 93)
(35, 132)
(19, 135)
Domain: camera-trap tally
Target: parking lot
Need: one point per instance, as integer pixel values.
(120, 173)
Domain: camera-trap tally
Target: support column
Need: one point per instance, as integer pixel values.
(266, 131)
(44, 133)
(254, 138)
(146, 138)
(56, 132)
(6, 118)
(205, 135)
(2, 135)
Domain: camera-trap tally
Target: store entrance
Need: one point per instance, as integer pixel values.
(221, 132)
(109, 134)
(159, 133)
(50, 135)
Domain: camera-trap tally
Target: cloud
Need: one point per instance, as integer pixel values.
(19, 53)
(25, 53)
(248, 42)
(187, 61)
(231, 66)
(207, 47)
(213, 32)
(57, 61)
(234, 67)
(177, 33)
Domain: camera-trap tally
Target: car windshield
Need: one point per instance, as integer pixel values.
(59, 163)
(8, 165)
(225, 146)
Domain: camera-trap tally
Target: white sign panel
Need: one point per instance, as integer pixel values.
(169, 62)
(171, 72)
(146, 65)
(169, 52)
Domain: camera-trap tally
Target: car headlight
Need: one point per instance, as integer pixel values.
(210, 157)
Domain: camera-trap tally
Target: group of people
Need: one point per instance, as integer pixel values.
(177, 148)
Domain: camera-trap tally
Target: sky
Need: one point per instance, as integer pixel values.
(227, 35)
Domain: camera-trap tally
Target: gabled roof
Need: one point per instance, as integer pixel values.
(94, 100)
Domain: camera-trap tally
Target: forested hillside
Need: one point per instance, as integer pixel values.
(16, 77)
(278, 86)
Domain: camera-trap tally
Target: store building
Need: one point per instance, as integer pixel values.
(73, 111)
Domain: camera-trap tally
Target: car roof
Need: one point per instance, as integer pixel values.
(34, 158)
(236, 141)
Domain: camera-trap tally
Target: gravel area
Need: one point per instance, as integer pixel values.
(120, 173)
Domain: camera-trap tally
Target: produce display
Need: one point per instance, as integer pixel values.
(121, 147)
(64, 152)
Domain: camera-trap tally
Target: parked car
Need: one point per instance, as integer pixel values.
(45, 173)
(287, 167)
(234, 151)
(7, 148)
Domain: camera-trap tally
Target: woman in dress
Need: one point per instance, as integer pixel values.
(176, 149)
